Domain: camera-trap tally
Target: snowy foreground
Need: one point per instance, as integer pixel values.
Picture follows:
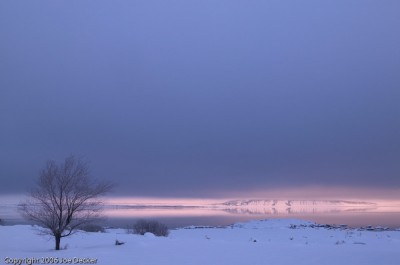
(257, 242)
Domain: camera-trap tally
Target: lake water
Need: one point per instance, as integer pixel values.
(123, 216)
(178, 217)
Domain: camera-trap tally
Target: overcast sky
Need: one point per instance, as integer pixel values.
(202, 98)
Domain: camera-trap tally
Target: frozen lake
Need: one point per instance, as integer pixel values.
(221, 215)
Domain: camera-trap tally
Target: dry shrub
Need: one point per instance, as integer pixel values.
(144, 226)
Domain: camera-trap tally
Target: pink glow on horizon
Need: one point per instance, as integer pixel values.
(380, 196)
(162, 201)
(322, 193)
(377, 195)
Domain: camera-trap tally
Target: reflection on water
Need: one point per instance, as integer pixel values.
(327, 212)
(354, 214)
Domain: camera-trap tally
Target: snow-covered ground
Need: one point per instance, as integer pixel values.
(255, 242)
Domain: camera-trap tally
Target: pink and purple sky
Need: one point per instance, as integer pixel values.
(204, 99)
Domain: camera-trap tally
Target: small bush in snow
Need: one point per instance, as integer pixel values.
(144, 226)
(1, 222)
(118, 243)
(92, 228)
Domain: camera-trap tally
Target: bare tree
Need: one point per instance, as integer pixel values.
(65, 198)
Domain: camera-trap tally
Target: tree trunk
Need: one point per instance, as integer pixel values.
(58, 240)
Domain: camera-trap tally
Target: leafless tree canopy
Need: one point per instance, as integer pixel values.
(65, 198)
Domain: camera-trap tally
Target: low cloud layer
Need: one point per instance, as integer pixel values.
(193, 99)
